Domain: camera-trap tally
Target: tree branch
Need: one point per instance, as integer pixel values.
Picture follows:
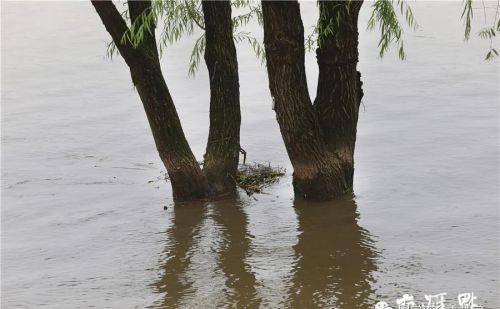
(115, 25)
(139, 11)
(194, 17)
(136, 8)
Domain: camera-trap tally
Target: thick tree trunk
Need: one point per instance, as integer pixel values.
(188, 181)
(339, 90)
(317, 173)
(221, 157)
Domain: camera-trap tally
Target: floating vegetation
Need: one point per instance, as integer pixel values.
(254, 178)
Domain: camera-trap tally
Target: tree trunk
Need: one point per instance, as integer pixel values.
(188, 181)
(222, 153)
(339, 90)
(317, 172)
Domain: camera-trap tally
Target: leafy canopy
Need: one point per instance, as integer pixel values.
(181, 18)
(488, 32)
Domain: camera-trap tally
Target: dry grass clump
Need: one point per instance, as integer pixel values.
(254, 178)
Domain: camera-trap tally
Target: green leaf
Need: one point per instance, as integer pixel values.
(391, 32)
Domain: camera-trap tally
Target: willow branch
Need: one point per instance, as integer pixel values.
(115, 25)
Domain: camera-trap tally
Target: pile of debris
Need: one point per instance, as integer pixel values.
(254, 178)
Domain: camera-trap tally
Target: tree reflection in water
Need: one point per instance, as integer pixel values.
(334, 258)
(182, 236)
(234, 250)
(232, 243)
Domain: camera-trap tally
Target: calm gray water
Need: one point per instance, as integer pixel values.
(83, 226)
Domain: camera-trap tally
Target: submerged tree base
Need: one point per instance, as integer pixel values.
(254, 178)
(251, 178)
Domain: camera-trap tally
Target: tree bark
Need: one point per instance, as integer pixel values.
(222, 153)
(317, 172)
(188, 181)
(339, 89)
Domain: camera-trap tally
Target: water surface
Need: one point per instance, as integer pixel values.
(83, 225)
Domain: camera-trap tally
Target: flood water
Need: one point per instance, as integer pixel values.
(83, 219)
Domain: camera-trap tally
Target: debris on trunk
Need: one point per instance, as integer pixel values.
(254, 178)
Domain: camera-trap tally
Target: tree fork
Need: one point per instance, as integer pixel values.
(222, 153)
(317, 173)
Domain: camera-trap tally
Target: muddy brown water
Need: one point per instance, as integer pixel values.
(83, 223)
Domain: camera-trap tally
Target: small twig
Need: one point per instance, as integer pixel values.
(249, 193)
(244, 153)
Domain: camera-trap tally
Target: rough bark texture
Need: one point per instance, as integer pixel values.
(188, 181)
(317, 172)
(339, 90)
(221, 157)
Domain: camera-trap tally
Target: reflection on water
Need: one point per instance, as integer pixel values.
(334, 257)
(234, 250)
(182, 235)
(78, 159)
